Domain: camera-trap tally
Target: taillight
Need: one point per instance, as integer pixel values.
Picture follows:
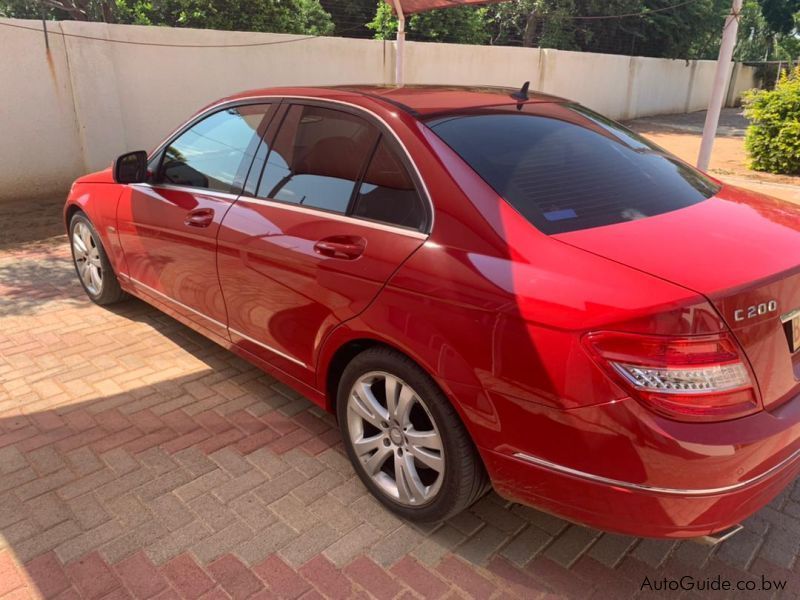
(686, 378)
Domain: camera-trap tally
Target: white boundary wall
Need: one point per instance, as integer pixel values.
(73, 110)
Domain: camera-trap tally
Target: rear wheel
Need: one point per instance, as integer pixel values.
(91, 262)
(405, 439)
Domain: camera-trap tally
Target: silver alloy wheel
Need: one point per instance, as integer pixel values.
(87, 258)
(387, 419)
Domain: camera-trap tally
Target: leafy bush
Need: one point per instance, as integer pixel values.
(773, 138)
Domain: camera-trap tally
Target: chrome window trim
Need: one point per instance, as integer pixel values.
(189, 189)
(278, 98)
(540, 462)
(214, 321)
(413, 233)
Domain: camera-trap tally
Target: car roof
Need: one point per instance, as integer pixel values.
(418, 100)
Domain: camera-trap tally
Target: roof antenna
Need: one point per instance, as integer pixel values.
(522, 94)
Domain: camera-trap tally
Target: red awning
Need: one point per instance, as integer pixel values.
(418, 6)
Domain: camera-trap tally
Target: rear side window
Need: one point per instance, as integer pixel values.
(387, 193)
(216, 152)
(317, 158)
(566, 168)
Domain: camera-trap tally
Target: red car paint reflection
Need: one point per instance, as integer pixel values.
(500, 305)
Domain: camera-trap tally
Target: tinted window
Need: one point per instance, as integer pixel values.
(216, 152)
(317, 158)
(387, 192)
(566, 168)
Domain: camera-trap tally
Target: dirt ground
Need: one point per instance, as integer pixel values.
(681, 135)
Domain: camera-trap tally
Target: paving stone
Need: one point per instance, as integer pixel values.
(306, 545)
(169, 546)
(213, 512)
(479, 547)
(741, 549)
(490, 509)
(48, 510)
(336, 515)
(83, 461)
(252, 511)
(135, 539)
(526, 545)
(88, 541)
(87, 511)
(46, 540)
(571, 545)
(46, 460)
(295, 514)
(317, 486)
(692, 554)
(170, 512)
(268, 541)
(231, 461)
(221, 542)
(239, 485)
(437, 545)
(351, 544)
(780, 547)
(11, 460)
(194, 461)
(130, 511)
(611, 548)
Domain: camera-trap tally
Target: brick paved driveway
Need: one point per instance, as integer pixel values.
(138, 459)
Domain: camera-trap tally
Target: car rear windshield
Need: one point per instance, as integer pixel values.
(566, 168)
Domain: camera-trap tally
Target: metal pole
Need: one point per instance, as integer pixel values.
(401, 38)
(721, 82)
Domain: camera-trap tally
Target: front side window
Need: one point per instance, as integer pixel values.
(566, 168)
(317, 158)
(215, 153)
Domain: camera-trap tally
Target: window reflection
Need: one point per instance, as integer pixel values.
(317, 158)
(213, 153)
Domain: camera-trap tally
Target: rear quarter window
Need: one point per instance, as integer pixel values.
(565, 168)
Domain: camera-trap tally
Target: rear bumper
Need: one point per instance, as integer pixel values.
(620, 467)
(634, 509)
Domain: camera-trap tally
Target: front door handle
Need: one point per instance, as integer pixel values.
(345, 247)
(200, 217)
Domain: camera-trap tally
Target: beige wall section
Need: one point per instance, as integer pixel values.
(599, 81)
(92, 100)
(39, 147)
(459, 64)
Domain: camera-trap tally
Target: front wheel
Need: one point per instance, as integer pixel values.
(405, 439)
(91, 262)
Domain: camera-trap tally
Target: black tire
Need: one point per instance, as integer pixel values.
(464, 479)
(109, 290)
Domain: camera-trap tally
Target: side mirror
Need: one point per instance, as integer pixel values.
(131, 167)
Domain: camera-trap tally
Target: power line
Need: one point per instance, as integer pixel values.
(162, 45)
(643, 13)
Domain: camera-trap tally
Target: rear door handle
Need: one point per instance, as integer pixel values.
(345, 247)
(200, 217)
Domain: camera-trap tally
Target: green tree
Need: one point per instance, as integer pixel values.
(350, 17)
(773, 137)
(284, 16)
(687, 31)
(462, 25)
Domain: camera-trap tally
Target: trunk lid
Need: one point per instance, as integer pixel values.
(739, 249)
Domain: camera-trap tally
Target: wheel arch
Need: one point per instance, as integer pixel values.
(71, 210)
(344, 344)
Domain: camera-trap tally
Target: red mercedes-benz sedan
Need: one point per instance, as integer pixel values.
(486, 287)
